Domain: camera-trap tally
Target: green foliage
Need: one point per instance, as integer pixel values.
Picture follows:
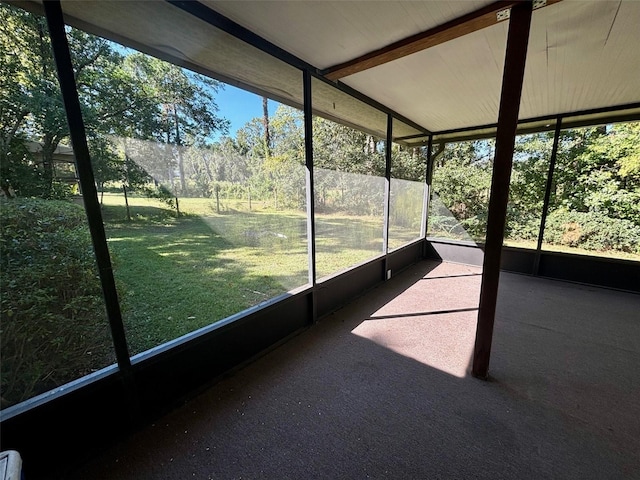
(19, 174)
(31, 106)
(406, 204)
(122, 94)
(522, 224)
(408, 164)
(463, 182)
(592, 231)
(162, 193)
(349, 164)
(52, 313)
(349, 169)
(595, 183)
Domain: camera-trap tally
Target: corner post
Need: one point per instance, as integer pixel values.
(547, 195)
(426, 200)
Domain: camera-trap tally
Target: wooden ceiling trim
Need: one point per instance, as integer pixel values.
(472, 22)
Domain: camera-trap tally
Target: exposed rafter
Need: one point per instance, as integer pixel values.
(472, 22)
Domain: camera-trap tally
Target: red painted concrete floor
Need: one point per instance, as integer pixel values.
(381, 389)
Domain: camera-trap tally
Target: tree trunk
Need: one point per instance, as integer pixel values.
(169, 150)
(125, 182)
(8, 191)
(207, 169)
(5, 147)
(265, 123)
(183, 182)
(47, 166)
(126, 201)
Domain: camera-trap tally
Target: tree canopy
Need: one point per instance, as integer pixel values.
(122, 93)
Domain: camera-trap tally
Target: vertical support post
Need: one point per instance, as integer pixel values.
(512, 79)
(387, 194)
(62, 57)
(547, 195)
(311, 208)
(428, 174)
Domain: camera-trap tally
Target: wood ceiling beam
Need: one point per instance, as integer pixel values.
(472, 22)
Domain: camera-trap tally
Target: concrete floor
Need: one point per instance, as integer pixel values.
(381, 389)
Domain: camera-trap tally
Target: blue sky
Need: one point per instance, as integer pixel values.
(239, 107)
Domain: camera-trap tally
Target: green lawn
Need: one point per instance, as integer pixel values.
(177, 274)
(548, 247)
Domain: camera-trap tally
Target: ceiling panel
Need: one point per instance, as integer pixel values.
(582, 56)
(453, 85)
(325, 33)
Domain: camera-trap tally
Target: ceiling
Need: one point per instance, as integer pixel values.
(582, 56)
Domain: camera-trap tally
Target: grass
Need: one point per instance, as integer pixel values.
(549, 247)
(177, 274)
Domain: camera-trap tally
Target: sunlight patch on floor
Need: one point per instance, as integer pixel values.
(433, 321)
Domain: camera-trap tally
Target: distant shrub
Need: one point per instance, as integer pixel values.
(522, 225)
(592, 231)
(53, 326)
(406, 204)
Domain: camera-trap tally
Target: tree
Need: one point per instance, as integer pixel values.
(625, 148)
(32, 109)
(184, 113)
(610, 171)
(348, 165)
(597, 172)
(409, 163)
(286, 167)
(273, 166)
(122, 94)
(265, 126)
(462, 180)
(31, 105)
(528, 184)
